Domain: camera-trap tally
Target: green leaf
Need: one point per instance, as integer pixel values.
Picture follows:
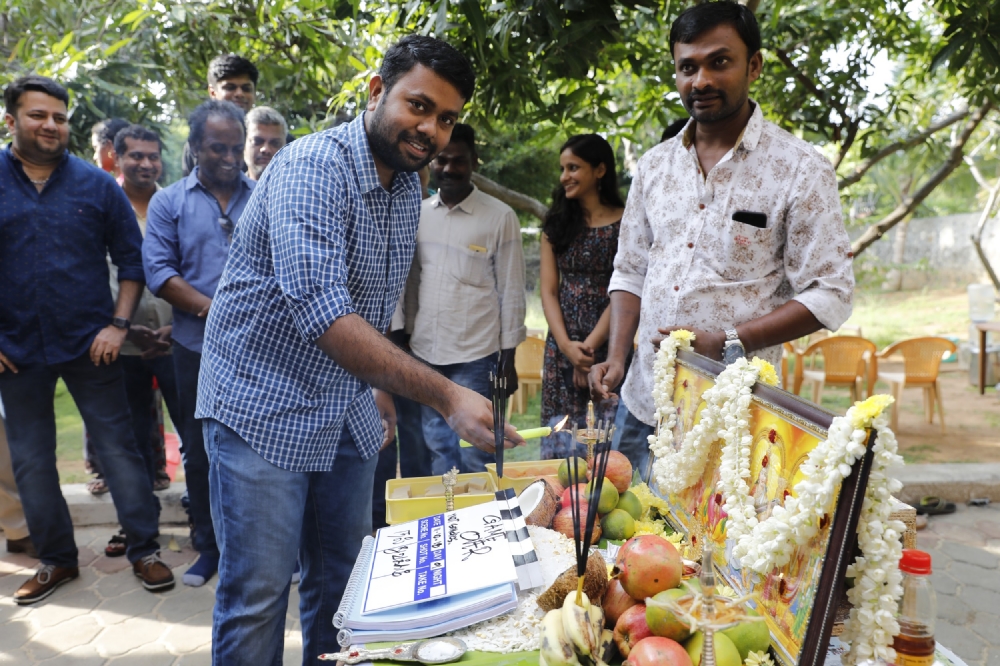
(61, 45)
(111, 50)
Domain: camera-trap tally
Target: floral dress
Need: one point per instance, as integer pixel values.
(585, 270)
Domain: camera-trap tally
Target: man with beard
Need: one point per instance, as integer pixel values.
(465, 294)
(295, 344)
(190, 229)
(59, 218)
(267, 133)
(732, 230)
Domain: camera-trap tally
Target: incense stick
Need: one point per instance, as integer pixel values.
(498, 392)
(583, 532)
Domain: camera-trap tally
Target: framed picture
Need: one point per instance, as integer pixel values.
(799, 600)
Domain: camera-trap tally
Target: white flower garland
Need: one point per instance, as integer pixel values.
(763, 546)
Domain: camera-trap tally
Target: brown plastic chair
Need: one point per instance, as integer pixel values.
(528, 359)
(921, 363)
(843, 365)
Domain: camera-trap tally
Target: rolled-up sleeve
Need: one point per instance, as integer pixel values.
(124, 240)
(306, 210)
(161, 253)
(634, 239)
(818, 262)
(509, 271)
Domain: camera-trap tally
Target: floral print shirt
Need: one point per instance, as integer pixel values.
(692, 264)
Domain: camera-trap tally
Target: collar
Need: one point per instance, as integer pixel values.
(9, 151)
(192, 181)
(357, 138)
(466, 205)
(748, 138)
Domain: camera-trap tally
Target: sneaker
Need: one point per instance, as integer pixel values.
(43, 583)
(22, 546)
(202, 570)
(154, 573)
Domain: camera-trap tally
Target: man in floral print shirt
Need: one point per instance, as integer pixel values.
(733, 228)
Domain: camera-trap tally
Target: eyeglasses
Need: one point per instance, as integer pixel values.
(228, 227)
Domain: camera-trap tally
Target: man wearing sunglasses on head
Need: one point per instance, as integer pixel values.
(188, 232)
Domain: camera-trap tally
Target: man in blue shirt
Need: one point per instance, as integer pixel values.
(188, 233)
(295, 342)
(59, 218)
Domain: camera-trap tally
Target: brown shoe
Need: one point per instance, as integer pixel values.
(154, 573)
(43, 583)
(22, 546)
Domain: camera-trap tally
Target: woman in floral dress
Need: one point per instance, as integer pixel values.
(579, 241)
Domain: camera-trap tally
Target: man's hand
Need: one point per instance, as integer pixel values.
(603, 377)
(706, 343)
(580, 379)
(6, 364)
(470, 415)
(107, 344)
(579, 354)
(161, 343)
(386, 410)
(203, 312)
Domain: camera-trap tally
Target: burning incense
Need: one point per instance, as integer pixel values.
(583, 531)
(498, 392)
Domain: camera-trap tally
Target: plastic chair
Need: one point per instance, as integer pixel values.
(843, 365)
(921, 363)
(528, 359)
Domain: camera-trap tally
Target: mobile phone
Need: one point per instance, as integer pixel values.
(758, 220)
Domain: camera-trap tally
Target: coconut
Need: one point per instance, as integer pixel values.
(539, 503)
(595, 582)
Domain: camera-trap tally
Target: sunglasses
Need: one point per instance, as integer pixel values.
(227, 226)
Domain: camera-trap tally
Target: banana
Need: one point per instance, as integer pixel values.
(608, 648)
(556, 649)
(577, 625)
(596, 616)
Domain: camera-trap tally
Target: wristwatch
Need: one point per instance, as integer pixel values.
(732, 348)
(121, 322)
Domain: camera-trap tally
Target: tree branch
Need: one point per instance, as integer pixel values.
(845, 145)
(809, 85)
(515, 200)
(910, 203)
(903, 144)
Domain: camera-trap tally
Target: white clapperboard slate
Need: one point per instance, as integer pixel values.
(529, 571)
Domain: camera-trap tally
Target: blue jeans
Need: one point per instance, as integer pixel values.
(139, 374)
(441, 439)
(264, 517)
(631, 438)
(414, 457)
(187, 364)
(99, 393)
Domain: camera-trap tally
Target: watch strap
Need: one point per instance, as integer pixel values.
(121, 322)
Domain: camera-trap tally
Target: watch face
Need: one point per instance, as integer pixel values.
(732, 352)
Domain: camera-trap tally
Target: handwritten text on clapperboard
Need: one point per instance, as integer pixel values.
(439, 556)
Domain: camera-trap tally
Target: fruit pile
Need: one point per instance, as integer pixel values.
(649, 566)
(617, 507)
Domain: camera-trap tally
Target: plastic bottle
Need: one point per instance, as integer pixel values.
(917, 610)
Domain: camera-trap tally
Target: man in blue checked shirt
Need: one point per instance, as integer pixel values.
(188, 235)
(294, 348)
(59, 218)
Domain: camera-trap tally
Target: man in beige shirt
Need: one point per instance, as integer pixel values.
(464, 300)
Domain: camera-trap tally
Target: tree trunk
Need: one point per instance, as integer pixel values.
(515, 200)
(894, 278)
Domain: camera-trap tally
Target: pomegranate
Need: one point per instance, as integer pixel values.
(658, 651)
(648, 564)
(616, 602)
(631, 628)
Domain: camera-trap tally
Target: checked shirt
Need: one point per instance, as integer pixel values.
(319, 239)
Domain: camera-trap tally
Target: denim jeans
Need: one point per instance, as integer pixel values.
(139, 374)
(264, 517)
(414, 457)
(187, 363)
(441, 439)
(99, 393)
(631, 438)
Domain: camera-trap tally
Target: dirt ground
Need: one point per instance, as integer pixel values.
(972, 420)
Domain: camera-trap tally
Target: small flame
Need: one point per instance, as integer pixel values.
(561, 424)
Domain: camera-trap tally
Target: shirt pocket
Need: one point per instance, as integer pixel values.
(745, 253)
(470, 264)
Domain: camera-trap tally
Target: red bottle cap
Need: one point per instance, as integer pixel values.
(915, 562)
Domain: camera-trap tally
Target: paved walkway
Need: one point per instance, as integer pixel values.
(105, 617)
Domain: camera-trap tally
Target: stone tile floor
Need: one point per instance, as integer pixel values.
(105, 617)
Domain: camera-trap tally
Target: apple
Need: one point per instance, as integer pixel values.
(563, 523)
(664, 623)
(648, 564)
(616, 601)
(631, 628)
(658, 651)
(619, 471)
(577, 492)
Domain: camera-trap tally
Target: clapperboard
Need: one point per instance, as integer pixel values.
(529, 571)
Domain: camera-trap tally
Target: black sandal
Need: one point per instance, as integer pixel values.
(934, 506)
(117, 545)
